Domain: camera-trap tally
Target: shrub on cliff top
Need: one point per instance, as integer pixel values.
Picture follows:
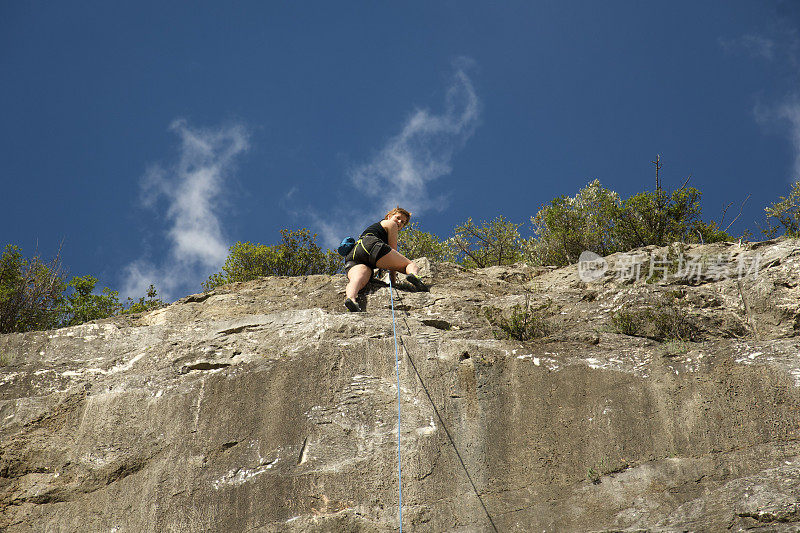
(596, 219)
(82, 305)
(785, 213)
(35, 295)
(31, 292)
(569, 225)
(414, 243)
(497, 242)
(660, 218)
(296, 255)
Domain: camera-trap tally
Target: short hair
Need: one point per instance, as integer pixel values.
(400, 210)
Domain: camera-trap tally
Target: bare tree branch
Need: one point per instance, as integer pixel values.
(722, 219)
(737, 216)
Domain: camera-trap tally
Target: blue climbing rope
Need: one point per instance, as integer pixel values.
(397, 372)
(410, 360)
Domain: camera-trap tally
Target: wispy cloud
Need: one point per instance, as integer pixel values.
(192, 192)
(423, 150)
(752, 44)
(790, 111)
(778, 45)
(783, 119)
(285, 202)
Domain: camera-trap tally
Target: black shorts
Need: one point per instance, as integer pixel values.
(367, 252)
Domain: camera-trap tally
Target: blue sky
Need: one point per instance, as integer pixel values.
(149, 137)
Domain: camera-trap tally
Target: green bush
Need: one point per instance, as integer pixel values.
(524, 322)
(35, 296)
(671, 321)
(31, 292)
(597, 220)
(296, 255)
(785, 213)
(145, 303)
(569, 225)
(83, 306)
(492, 243)
(663, 318)
(675, 347)
(414, 243)
(659, 218)
(628, 322)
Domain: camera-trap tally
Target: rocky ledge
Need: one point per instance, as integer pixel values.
(265, 406)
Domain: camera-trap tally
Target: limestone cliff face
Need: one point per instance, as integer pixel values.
(264, 406)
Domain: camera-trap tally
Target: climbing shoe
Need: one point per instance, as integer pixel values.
(352, 305)
(416, 282)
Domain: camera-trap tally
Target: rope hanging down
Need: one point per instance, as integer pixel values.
(397, 372)
(435, 410)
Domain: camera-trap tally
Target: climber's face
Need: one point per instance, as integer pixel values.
(399, 219)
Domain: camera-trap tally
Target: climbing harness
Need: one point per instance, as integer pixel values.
(349, 244)
(397, 372)
(354, 248)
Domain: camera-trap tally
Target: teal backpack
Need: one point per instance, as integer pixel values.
(346, 247)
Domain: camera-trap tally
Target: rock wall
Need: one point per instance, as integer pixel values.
(265, 406)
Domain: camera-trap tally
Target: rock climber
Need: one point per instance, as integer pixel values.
(377, 247)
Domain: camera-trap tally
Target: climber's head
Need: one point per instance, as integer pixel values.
(399, 216)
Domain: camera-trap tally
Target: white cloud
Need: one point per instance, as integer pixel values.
(783, 119)
(286, 200)
(192, 190)
(400, 172)
(778, 45)
(421, 152)
(790, 111)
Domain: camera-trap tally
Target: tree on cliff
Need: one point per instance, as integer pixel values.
(659, 218)
(82, 305)
(34, 295)
(569, 225)
(596, 219)
(414, 243)
(296, 255)
(31, 292)
(496, 242)
(784, 213)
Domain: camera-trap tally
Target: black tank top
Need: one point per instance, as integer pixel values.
(378, 231)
